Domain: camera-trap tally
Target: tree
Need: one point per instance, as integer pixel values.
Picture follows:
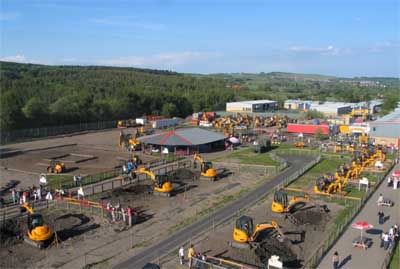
(390, 102)
(314, 114)
(169, 110)
(10, 111)
(319, 135)
(35, 109)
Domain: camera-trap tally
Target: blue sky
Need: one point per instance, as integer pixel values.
(342, 37)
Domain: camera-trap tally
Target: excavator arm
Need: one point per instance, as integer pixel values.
(161, 184)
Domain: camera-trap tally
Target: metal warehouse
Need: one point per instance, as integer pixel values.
(186, 140)
(386, 130)
(252, 106)
(332, 108)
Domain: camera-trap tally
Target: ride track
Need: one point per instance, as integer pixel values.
(181, 237)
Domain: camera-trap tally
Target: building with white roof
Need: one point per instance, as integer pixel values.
(252, 106)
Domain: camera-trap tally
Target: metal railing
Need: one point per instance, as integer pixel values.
(24, 134)
(334, 235)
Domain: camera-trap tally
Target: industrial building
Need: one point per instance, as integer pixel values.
(185, 140)
(386, 130)
(332, 109)
(297, 105)
(252, 106)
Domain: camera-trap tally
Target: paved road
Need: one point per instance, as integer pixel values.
(179, 238)
(355, 258)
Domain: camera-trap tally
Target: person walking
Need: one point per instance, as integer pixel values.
(381, 217)
(335, 260)
(395, 182)
(386, 241)
(181, 255)
(129, 213)
(123, 212)
(14, 196)
(191, 253)
(39, 193)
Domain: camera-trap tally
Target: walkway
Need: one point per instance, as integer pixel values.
(355, 258)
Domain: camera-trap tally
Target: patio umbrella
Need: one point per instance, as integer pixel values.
(234, 140)
(361, 225)
(396, 173)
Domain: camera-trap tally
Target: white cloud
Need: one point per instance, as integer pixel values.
(329, 50)
(171, 59)
(8, 16)
(382, 46)
(20, 58)
(357, 19)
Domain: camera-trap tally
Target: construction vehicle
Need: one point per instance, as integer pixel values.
(261, 145)
(300, 142)
(339, 147)
(38, 234)
(127, 123)
(129, 142)
(56, 167)
(206, 168)
(327, 185)
(281, 203)
(162, 185)
(130, 165)
(245, 235)
(363, 113)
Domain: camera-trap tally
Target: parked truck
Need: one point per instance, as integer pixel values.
(165, 123)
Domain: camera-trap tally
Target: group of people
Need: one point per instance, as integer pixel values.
(388, 238)
(393, 182)
(190, 255)
(119, 213)
(31, 194)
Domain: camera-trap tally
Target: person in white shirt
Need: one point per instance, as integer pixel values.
(181, 255)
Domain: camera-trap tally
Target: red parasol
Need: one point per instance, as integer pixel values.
(396, 173)
(361, 225)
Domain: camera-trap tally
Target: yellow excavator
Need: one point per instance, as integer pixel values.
(327, 185)
(206, 168)
(129, 142)
(245, 235)
(281, 203)
(56, 167)
(300, 142)
(162, 185)
(38, 234)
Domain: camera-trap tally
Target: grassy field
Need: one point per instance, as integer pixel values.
(54, 181)
(307, 181)
(247, 156)
(395, 262)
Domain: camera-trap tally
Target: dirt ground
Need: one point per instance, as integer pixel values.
(25, 167)
(292, 250)
(110, 243)
(71, 228)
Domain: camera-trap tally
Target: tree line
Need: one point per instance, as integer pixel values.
(38, 95)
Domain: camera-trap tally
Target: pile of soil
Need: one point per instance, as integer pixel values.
(312, 216)
(282, 249)
(182, 175)
(11, 232)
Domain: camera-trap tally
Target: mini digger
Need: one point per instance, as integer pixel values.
(245, 235)
(282, 204)
(38, 235)
(206, 168)
(56, 167)
(162, 185)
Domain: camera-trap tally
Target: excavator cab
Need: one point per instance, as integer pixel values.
(38, 233)
(56, 167)
(243, 229)
(280, 202)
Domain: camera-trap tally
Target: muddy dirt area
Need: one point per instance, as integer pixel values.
(93, 153)
(301, 237)
(69, 227)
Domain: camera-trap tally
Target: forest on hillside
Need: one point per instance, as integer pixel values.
(38, 95)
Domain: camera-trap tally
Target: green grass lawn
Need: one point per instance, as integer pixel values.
(395, 262)
(308, 179)
(54, 181)
(247, 156)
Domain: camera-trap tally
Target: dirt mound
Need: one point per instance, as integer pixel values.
(182, 175)
(10, 232)
(282, 249)
(312, 216)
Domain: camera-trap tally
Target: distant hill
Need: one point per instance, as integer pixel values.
(38, 95)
